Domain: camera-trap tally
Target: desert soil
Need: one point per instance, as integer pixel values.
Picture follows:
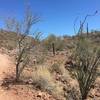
(17, 92)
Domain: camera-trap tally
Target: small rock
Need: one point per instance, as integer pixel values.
(39, 94)
(65, 88)
(97, 94)
(91, 96)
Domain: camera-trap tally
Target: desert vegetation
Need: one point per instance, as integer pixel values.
(52, 68)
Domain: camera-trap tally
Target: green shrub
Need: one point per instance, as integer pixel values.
(87, 58)
(58, 42)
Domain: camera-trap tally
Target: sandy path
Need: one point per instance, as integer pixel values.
(6, 68)
(5, 63)
(16, 92)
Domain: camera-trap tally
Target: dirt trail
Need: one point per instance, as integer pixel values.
(5, 65)
(17, 92)
(6, 68)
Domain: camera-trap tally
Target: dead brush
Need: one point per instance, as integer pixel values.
(42, 77)
(43, 80)
(58, 68)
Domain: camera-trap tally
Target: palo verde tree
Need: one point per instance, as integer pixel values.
(24, 41)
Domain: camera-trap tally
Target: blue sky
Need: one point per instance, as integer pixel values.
(57, 16)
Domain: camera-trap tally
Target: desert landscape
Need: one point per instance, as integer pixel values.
(65, 67)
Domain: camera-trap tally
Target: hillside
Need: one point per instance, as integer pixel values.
(47, 76)
(9, 40)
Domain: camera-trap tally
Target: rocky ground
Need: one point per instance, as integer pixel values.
(16, 92)
(27, 92)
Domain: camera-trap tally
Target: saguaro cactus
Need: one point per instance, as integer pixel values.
(87, 30)
(53, 48)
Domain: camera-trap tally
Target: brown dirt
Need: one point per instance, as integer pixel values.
(25, 92)
(17, 92)
(5, 65)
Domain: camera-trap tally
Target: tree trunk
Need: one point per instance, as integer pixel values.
(17, 73)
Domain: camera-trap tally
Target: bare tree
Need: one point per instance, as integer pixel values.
(24, 41)
(82, 23)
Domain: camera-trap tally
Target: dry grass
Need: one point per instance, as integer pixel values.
(57, 91)
(44, 80)
(42, 77)
(58, 67)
